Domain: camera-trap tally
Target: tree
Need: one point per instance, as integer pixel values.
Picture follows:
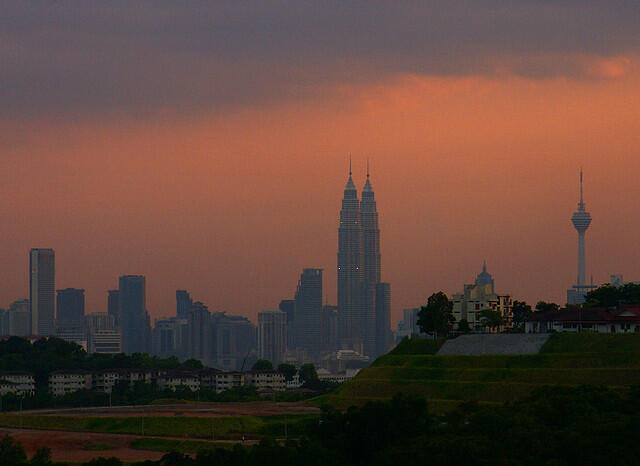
(491, 318)
(543, 306)
(193, 364)
(463, 326)
(12, 452)
(613, 296)
(521, 312)
(436, 317)
(42, 457)
(308, 373)
(288, 370)
(262, 365)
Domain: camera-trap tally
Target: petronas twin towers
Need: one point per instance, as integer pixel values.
(363, 301)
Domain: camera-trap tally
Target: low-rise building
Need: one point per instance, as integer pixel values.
(479, 297)
(340, 377)
(18, 382)
(63, 382)
(266, 380)
(626, 319)
(228, 380)
(208, 379)
(105, 380)
(172, 380)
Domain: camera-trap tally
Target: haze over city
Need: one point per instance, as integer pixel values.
(171, 143)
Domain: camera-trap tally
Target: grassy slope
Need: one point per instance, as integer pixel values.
(566, 359)
(225, 427)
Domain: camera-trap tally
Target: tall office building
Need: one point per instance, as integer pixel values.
(272, 336)
(19, 318)
(183, 303)
(199, 331)
(113, 305)
(329, 329)
(581, 220)
(133, 317)
(371, 265)
(233, 341)
(359, 272)
(350, 270)
(383, 318)
(288, 306)
(308, 310)
(70, 308)
(42, 291)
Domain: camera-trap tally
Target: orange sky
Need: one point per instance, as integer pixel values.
(232, 204)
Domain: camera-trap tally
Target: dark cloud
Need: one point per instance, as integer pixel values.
(84, 56)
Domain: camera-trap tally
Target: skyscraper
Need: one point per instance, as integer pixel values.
(199, 331)
(113, 305)
(70, 308)
(350, 272)
(272, 336)
(581, 220)
(183, 302)
(133, 317)
(308, 310)
(42, 286)
(383, 318)
(371, 265)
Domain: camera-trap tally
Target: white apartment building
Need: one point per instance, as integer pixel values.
(20, 383)
(63, 382)
(266, 380)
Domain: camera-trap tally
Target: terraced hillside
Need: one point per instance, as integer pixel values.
(446, 381)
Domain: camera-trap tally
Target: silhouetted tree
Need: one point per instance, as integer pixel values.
(262, 365)
(436, 317)
(463, 326)
(490, 318)
(543, 306)
(521, 312)
(288, 370)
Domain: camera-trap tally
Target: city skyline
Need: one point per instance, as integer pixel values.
(206, 157)
(395, 311)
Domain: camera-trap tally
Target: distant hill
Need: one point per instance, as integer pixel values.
(447, 380)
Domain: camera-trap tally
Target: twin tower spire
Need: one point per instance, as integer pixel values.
(351, 185)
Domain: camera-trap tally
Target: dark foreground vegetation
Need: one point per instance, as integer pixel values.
(553, 426)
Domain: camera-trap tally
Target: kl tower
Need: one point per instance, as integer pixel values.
(581, 220)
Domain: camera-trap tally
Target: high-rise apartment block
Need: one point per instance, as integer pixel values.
(113, 305)
(42, 284)
(183, 303)
(272, 336)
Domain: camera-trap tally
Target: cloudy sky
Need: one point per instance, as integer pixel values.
(205, 144)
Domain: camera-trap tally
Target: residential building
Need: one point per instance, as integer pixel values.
(17, 382)
(272, 336)
(481, 296)
(266, 380)
(77, 335)
(63, 382)
(42, 286)
(105, 380)
(173, 380)
(228, 380)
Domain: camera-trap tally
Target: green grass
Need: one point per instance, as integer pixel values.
(181, 446)
(566, 359)
(176, 426)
